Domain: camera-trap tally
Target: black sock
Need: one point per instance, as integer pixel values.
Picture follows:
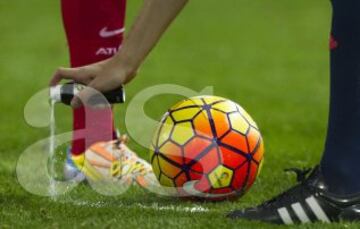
(341, 160)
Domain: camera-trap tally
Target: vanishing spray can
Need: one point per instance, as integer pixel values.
(66, 92)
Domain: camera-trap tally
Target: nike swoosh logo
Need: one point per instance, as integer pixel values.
(105, 33)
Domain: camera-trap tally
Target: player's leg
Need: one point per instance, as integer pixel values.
(340, 163)
(94, 30)
(331, 192)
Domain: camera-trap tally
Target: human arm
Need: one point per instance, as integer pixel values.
(154, 18)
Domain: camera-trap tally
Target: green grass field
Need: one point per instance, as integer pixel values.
(269, 56)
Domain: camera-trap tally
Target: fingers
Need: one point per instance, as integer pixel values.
(63, 73)
(95, 87)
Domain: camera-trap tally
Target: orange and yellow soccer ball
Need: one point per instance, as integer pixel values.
(211, 143)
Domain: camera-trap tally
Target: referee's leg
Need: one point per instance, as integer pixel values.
(341, 160)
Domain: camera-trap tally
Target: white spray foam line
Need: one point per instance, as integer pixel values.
(52, 188)
(174, 208)
(154, 206)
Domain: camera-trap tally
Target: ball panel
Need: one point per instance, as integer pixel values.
(181, 179)
(197, 101)
(166, 181)
(240, 177)
(195, 147)
(252, 175)
(182, 133)
(165, 131)
(152, 152)
(259, 153)
(212, 99)
(195, 175)
(208, 162)
(247, 117)
(203, 185)
(254, 139)
(185, 114)
(231, 158)
(221, 177)
(202, 125)
(239, 123)
(221, 122)
(173, 152)
(168, 168)
(156, 167)
(187, 103)
(226, 107)
(235, 140)
(222, 191)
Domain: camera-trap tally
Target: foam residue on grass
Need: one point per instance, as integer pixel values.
(52, 188)
(154, 206)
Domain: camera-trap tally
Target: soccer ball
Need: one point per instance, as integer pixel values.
(209, 147)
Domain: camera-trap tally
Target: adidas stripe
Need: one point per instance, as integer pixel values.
(301, 214)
